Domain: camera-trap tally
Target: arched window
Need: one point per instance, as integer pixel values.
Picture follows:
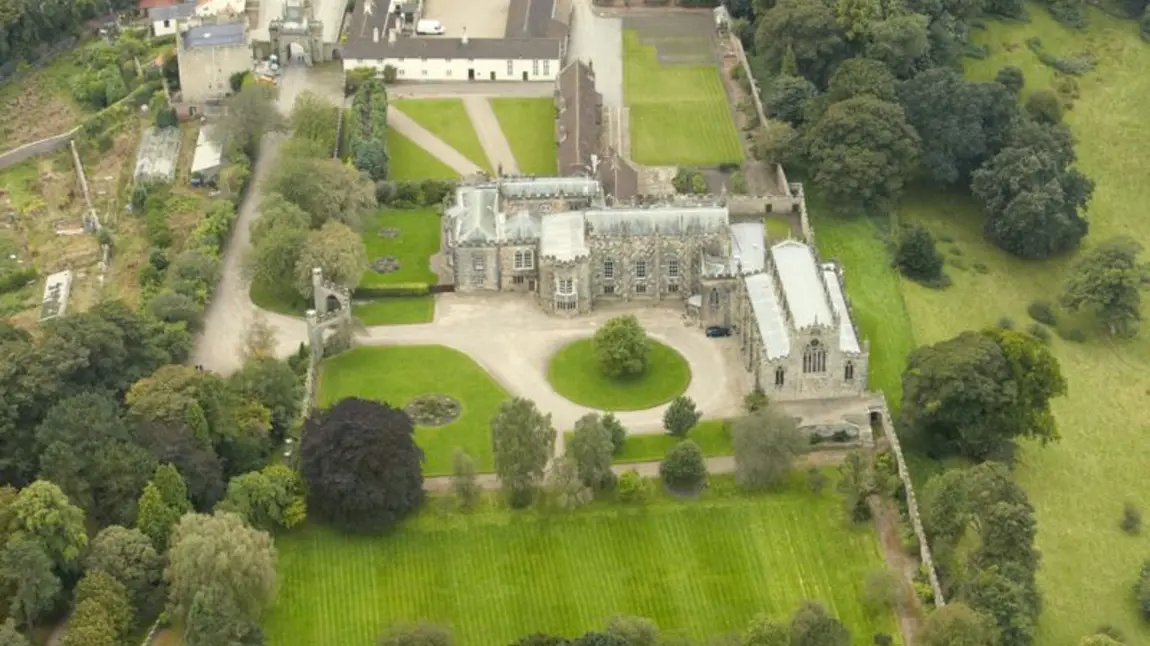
(714, 298)
(780, 377)
(814, 358)
(849, 372)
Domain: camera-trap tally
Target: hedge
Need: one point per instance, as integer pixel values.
(14, 280)
(393, 291)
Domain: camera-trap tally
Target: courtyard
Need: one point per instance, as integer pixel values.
(697, 568)
(481, 19)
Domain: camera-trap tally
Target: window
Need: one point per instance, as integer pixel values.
(814, 358)
(714, 299)
(546, 68)
(534, 68)
(780, 377)
(565, 286)
(673, 288)
(673, 268)
(518, 280)
(849, 372)
(510, 68)
(640, 268)
(641, 288)
(567, 305)
(424, 72)
(167, 23)
(448, 72)
(478, 264)
(525, 259)
(609, 290)
(546, 208)
(609, 270)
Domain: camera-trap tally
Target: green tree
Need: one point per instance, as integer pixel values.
(220, 554)
(277, 213)
(857, 17)
(27, 570)
(90, 625)
(977, 392)
(272, 384)
(463, 480)
(212, 623)
(88, 450)
(361, 464)
(684, 468)
(41, 513)
(681, 416)
(1142, 591)
(776, 142)
(764, 631)
(633, 631)
(522, 440)
(1011, 78)
(173, 490)
(314, 117)
(130, 557)
(1099, 640)
(336, 249)
(786, 96)
(1109, 281)
(10, 636)
(956, 624)
(857, 482)
(566, 485)
(810, 30)
(1005, 601)
(916, 256)
(1045, 107)
(621, 347)
(616, 430)
(420, 634)
(862, 150)
(273, 259)
(154, 518)
(812, 625)
(880, 590)
(324, 188)
(268, 499)
(766, 444)
(900, 42)
(591, 448)
(250, 114)
(859, 77)
(111, 596)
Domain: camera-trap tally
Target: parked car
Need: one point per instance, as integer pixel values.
(429, 28)
(716, 331)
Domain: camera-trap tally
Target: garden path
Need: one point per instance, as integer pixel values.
(435, 146)
(491, 135)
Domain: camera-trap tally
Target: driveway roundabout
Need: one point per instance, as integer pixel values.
(574, 374)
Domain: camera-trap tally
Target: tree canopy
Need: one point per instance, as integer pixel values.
(1108, 280)
(621, 347)
(522, 440)
(956, 624)
(362, 466)
(336, 249)
(766, 445)
(268, 499)
(591, 447)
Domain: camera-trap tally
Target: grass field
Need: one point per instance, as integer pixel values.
(398, 374)
(38, 103)
(574, 373)
(417, 241)
(448, 120)
(701, 568)
(679, 113)
(712, 435)
(529, 126)
(409, 161)
(403, 310)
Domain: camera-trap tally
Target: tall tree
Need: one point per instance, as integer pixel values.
(523, 441)
(786, 98)
(220, 555)
(336, 249)
(251, 113)
(212, 623)
(683, 469)
(900, 42)
(129, 556)
(1109, 280)
(634, 631)
(591, 448)
(44, 515)
(277, 213)
(1004, 600)
(766, 445)
(314, 117)
(268, 499)
(621, 347)
(272, 384)
(857, 77)
(10, 636)
(27, 569)
(810, 30)
(681, 416)
(111, 596)
(956, 624)
(862, 150)
(362, 465)
(273, 258)
(326, 189)
(812, 625)
(88, 450)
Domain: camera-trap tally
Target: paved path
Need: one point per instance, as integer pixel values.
(598, 40)
(490, 134)
(435, 146)
(454, 90)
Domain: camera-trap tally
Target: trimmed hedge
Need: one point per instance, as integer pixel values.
(394, 291)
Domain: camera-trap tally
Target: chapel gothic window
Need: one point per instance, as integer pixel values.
(849, 372)
(814, 358)
(714, 299)
(780, 377)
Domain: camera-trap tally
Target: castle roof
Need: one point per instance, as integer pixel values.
(769, 317)
(802, 284)
(665, 220)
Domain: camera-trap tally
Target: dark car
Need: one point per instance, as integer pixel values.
(716, 331)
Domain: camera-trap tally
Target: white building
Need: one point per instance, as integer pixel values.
(531, 48)
(165, 18)
(208, 159)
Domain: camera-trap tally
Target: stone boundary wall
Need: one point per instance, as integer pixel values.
(756, 94)
(879, 405)
(25, 152)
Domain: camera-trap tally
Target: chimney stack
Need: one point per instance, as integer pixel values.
(391, 35)
(375, 35)
(464, 39)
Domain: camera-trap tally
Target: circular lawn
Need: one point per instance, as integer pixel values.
(575, 374)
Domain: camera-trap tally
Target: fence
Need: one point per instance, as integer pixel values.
(23, 153)
(879, 405)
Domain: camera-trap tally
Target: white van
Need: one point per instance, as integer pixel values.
(429, 28)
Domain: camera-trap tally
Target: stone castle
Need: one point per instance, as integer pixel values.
(561, 240)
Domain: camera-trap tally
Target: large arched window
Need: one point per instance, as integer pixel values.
(814, 358)
(780, 377)
(714, 298)
(849, 372)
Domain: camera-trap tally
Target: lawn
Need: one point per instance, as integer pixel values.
(398, 374)
(409, 161)
(448, 120)
(529, 126)
(403, 310)
(700, 568)
(712, 435)
(679, 113)
(1079, 484)
(574, 373)
(417, 241)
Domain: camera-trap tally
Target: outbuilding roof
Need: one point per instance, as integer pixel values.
(215, 35)
(802, 284)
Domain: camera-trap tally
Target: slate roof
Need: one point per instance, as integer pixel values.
(532, 19)
(474, 213)
(848, 341)
(769, 318)
(619, 177)
(218, 35)
(802, 283)
(179, 11)
(522, 226)
(580, 118)
(671, 220)
(528, 187)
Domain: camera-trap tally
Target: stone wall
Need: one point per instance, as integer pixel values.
(23, 153)
(879, 405)
(517, 280)
(658, 252)
(476, 268)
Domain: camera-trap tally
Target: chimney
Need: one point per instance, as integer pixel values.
(391, 35)
(464, 39)
(375, 35)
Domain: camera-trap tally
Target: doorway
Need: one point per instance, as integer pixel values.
(493, 76)
(525, 76)
(531, 285)
(471, 75)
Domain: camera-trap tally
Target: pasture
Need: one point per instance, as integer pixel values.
(398, 374)
(679, 112)
(448, 120)
(699, 568)
(529, 126)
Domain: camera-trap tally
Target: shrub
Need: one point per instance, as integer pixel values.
(1142, 591)
(880, 590)
(1012, 78)
(1043, 312)
(617, 431)
(14, 280)
(916, 255)
(1074, 335)
(1039, 331)
(816, 480)
(1131, 519)
(684, 468)
(980, 268)
(681, 416)
(390, 74)
(1006, 323)
(1044, 107)
(631, 487)
(739, 183)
